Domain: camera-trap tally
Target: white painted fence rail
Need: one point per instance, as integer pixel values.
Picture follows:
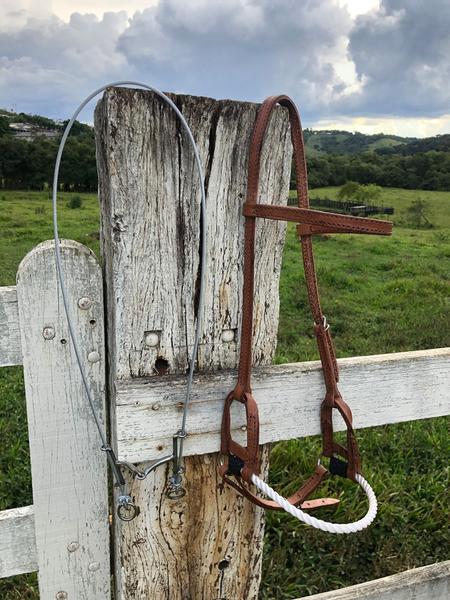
(381, 389)
(424, 583)
(10, 348)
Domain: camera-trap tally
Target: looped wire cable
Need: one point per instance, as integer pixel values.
(124, 498)
(319, 523)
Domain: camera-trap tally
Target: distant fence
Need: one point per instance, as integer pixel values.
(345, 206)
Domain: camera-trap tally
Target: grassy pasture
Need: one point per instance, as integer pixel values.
(380, 295)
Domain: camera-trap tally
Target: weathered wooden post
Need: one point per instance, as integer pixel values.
(208, 545)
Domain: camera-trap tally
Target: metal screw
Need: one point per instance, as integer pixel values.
(94, 566)
(61, 596)
(227, 335)
(93, 356)
(48, 332)
(156, 406)
(151, 339)
(244, 428)
(73, 546)
(84, 303)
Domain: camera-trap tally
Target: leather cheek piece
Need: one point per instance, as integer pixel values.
(330, 447)
(249, 454)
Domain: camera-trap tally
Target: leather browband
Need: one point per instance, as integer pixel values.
(241, 462)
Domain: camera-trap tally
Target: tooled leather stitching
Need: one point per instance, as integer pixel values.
(356, 223)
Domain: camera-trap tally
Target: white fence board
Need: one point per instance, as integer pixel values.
(10, 349)
(17, 542)
(425, 583)
(388, 388)
(69, 474)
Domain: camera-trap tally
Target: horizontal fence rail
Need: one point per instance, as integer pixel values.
(10, 348)
(381, 389)
(18, 552)
(425, 583)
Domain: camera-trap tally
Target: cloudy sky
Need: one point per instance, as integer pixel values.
(366, 65)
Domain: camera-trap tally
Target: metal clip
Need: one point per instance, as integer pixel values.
(175, 489)
(126, 509)
(144, 474)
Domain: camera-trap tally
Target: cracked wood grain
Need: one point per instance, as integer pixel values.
(150, 238)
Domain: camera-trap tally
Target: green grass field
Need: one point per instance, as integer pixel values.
(380, 295)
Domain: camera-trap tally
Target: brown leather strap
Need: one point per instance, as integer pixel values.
(244, 461)
(318, 221)
(297, 499)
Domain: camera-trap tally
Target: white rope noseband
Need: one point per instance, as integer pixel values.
(319, 523)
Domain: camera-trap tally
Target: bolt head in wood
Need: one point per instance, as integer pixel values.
(227, 335)
(151, 339)
(73, 546)
(93, 356)
(61, 596)
(84, 303)
(48, 332)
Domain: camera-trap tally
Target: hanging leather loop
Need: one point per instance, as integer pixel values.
(241, 462)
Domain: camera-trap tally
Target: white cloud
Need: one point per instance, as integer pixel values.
(242, 49)
(64, 8)
(48, 65)
(385, 60)
(407, 127)
(402, 58)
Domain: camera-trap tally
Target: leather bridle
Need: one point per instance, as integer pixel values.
(243, 462)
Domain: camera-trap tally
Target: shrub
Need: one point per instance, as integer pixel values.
(75, 202)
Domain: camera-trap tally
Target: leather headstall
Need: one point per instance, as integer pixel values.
(241, 462)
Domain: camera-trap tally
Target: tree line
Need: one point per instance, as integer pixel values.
(423, 170)
(29, 165)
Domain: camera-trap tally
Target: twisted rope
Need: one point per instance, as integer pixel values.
(319, 523)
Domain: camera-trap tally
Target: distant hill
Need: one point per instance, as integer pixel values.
(346, 142)
(437, 143)
(29, 127)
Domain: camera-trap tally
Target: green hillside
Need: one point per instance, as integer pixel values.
(347, 142)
